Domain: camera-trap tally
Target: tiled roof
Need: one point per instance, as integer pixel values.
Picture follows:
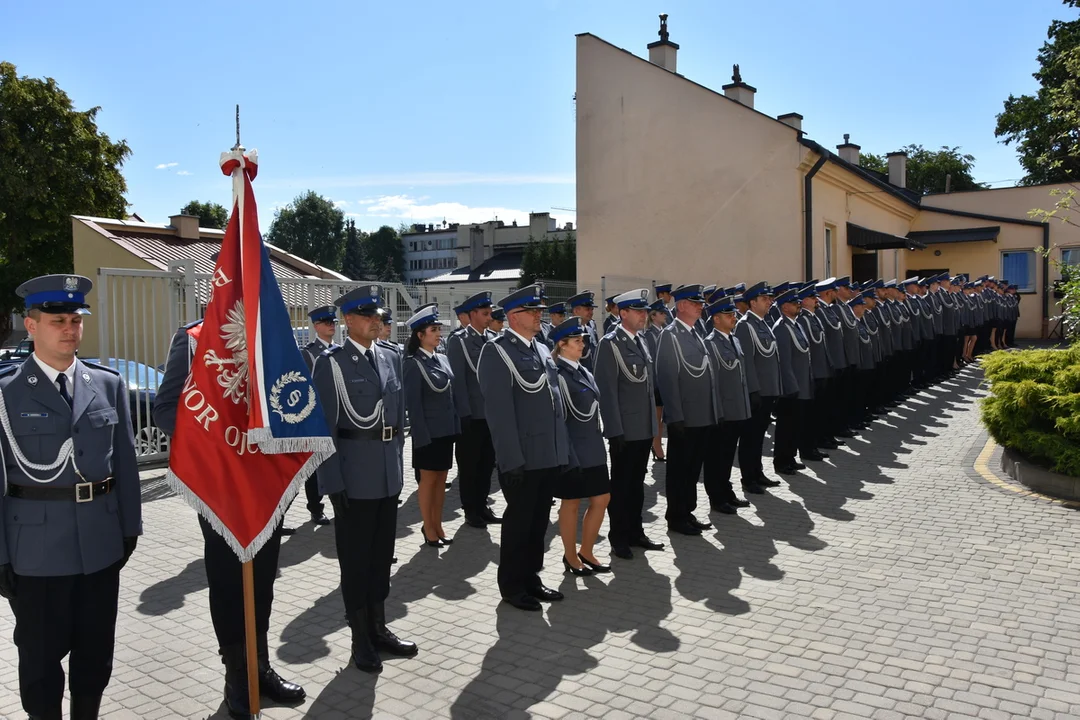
(160, 250)
(501, 266)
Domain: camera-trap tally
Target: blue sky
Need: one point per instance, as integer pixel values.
(419, 111)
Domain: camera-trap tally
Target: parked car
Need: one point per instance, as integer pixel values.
(20, 352)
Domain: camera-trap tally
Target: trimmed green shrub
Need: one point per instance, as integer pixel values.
(1034, 405)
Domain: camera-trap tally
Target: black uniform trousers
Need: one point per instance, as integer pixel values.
(475, 457)
(686, 456)
(525, 522)
(819, 431)
(314, 497)
(55, 616)
(224, 577)
(786, 438)
(719, 459)
(628, 469)
(364, 532)
(752, 439)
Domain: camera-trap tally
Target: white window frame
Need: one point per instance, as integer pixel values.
(829, 240)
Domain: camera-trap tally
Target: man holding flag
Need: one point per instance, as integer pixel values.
(361, 388)
(247, 432)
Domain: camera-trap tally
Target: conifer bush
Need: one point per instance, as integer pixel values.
(1034, 405)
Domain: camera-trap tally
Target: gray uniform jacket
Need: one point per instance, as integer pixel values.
(651, 335)
(851, 334)
(610, 321)
(937, 308)
(528, 429)
(49, 538)
(429, 397)
(914, 308)
(794, 350)
(730, 376)
(866, 349)
(684, 374)
(627, 401)
(821, 365)
(874, 328)
(762, 361)
(177, 366)
(365, 466)
(586, 440)
(907, 332)
(929, 328)
(464, 353)
(313, 350)
(949, 322)
(834, 335)
(588, 355)
(881, 314)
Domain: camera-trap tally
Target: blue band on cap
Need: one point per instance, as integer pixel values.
(57, 296)
(518, 302)
(360, 302)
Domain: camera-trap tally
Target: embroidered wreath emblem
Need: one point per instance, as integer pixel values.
(293, 400)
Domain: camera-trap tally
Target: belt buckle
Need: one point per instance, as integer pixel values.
(88, 487)
(387, 433)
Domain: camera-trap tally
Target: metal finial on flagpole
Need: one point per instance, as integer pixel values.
(237, 146)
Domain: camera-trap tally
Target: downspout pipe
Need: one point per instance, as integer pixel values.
(808, 210)
(1046, 280)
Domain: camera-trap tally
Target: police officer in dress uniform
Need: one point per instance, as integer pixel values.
(865, 366)
(658, 320)
(774, 310)
(734, 398)
(624, 377)
(224, 576)
(848, 383)
(67, 530)
(816, 434)
(557, 314)
(324, 321)
(663, 296)
(528, 427)
(474, 452)
(701, 326)
(360, 386)
(497, 324)
(685, 376)
(763, 380)
(582, 306)
(797, 386)
(611, 319)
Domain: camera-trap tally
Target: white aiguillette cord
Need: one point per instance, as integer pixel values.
(530, 387)
(66, 453)
(427, 378)
(363, 422)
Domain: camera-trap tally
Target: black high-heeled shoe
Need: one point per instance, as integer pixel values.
(437, 543)
(445, 540)
(596, 568)
(578, 572)
(657, 458)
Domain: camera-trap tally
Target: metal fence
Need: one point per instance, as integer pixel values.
(138, 311)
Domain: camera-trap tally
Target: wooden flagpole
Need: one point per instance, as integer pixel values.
(249, 637)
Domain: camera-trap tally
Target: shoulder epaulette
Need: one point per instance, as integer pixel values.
(192, 324)
(9, 368)
(106, 368)
(330, 351)
(388, 345)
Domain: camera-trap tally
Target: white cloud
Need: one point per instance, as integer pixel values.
(409, 208)
(426, 179)
(184, 172)
(166, 166)
(342, 203)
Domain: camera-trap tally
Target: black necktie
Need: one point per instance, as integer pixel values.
(640, 346)
(372, 362)
(61, 380)
(731, 342)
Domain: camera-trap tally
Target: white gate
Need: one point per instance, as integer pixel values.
(137, 312)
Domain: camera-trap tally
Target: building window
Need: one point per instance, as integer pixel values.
(1070, 257)
(1018, 267)
(829, 233)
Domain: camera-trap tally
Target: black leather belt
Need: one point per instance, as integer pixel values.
(385, 434)
(80, 492)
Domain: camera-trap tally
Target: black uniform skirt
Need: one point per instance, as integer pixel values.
(437, 455)
(582, 483)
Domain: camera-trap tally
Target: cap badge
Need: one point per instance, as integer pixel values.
(374, 289)
(71, 283)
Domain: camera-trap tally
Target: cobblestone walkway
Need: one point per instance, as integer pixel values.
(891, 581)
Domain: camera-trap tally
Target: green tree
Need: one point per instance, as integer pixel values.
(383, 249)
(312, 228)
(353, 265)
(54, 163)
(927, 169)
(1044, 126)
(211, 215)
(549, 259)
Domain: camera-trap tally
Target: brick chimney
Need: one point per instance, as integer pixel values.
(187, 226)
(663, 52)
(738, 90)
(849, 151)
(792, 119)
(897, 168)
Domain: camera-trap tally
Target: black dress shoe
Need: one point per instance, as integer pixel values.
(698, 524)
(288, 531)
(542, 592)
(814, 456)
(785, 469)
(622, 551)
(476, 521)
(646, 544)
(596, 567)
(767, 482)
(845, 434)
(276, 688)
(829, 444)
(753, 489)
(320, 518)
(798, 465)
(724, 508)
(364, 655)
(583, 571)
(85, 707)
(384, 638)
(684, 528)
(489, 517)
(523, 602)
(737, 503)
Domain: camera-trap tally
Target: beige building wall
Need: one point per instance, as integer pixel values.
(92, 251)
(676, 182)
